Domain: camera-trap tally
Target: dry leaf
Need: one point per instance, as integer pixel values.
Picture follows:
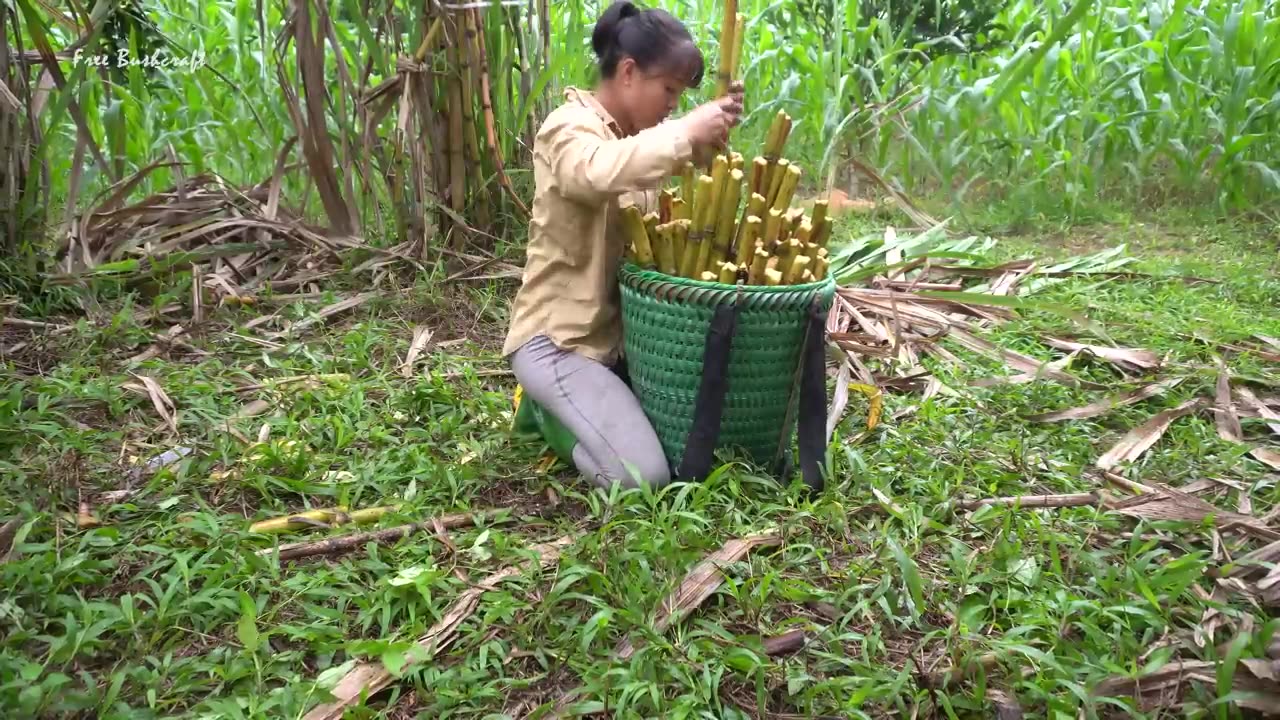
(421, 336)
(160, 400)
(1161, 688)
(328, 311)
(1225, 418)
(1016, 360)
(839, 399)
(1106, 405)
(1266, 413)
(1268, 456)
(1132, 358)
(1167, 503)
(1140, 439)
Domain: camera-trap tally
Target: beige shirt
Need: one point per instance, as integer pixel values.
(584, 170)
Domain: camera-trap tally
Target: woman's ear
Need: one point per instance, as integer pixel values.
(626, 71)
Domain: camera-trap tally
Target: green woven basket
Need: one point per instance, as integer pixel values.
(665, 321)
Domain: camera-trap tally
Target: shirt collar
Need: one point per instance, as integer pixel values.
(588, 99)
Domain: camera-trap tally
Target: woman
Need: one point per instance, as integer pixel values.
(594, 153)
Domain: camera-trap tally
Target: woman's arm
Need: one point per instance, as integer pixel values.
(590, 167)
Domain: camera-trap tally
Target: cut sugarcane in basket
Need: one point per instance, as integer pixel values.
(732, 222)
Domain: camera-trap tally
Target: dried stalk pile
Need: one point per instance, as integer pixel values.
(236, 241)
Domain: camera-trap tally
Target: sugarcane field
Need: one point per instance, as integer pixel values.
(739, 360)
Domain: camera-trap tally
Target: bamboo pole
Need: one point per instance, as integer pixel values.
(468, 115)
(456, 142)
(486, 101)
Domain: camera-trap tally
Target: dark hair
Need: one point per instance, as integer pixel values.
(652, 37)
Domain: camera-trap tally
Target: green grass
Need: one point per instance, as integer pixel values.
(165, 611)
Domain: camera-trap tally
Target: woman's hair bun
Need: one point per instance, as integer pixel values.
(605, 34)
(652, 37)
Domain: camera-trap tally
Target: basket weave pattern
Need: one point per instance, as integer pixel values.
(665, 321)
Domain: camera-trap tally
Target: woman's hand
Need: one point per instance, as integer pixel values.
(709, 123)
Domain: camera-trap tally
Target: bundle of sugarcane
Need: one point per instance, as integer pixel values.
(731, 226)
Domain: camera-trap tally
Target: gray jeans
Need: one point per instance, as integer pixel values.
(616, 442)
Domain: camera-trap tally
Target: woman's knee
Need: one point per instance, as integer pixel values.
(649, 470)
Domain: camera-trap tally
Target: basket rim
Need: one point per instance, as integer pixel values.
(630, 269)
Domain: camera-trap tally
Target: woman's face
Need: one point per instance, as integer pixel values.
(648, 98)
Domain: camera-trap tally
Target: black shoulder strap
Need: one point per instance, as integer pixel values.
(699, 449)
(812, 420)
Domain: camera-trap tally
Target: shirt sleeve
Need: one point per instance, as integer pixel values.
(588, 166)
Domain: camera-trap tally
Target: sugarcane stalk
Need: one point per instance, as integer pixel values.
(679, 210)
(735, 161)
(689, 259)
(771, 227)
(776, 176)
(804, 234)
(759, 263)
(773, 140)
(633, 226)
(772, 277)
(793, 220)
(689, 266)
(755, 205)
(728, 213)
(808, 277)
(759, 174)
(688, 182)
(758, 206)
(773, 144)
(799, 266)
(663, 246)
(665, 200)
(747, 239)
(719, 179)
(821, 266)
(324, 517)
(707, 276)
(651, 225)
(787, 188)
(679, 239)
(728, 23)
(728, 273)
(786, 255)
(819, 219)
